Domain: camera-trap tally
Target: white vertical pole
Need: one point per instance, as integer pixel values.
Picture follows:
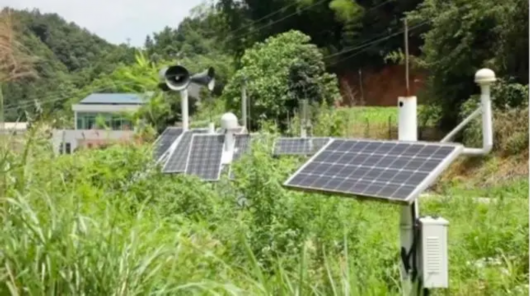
(407, 131)
(229, 140)
(184, 109)
(244, 104)
(485, 78)
(303, 119)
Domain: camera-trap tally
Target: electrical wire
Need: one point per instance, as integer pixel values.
(274, 22)
(267, 16)
(373, 41)
(367, 47)
(288, 16)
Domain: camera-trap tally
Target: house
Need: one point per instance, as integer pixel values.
(99, 119)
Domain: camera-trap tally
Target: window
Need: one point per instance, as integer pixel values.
(86, 121)
(65, 148)
(116, 122)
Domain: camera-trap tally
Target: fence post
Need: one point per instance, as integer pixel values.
(390, 127)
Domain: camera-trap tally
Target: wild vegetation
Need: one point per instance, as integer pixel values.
(87, 224)
(107, 222)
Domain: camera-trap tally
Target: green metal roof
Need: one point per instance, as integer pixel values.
(115, 99)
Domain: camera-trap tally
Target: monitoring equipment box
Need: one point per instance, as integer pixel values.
(433, 252)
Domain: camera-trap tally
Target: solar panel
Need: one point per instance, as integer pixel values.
(241, 146)
(165, 140)
(386, 170)
(176, 162)
(299, 146)
(204, 159)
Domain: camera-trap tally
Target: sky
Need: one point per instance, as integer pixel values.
(115, 20)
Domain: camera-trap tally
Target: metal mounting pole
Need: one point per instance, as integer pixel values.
(408, 131)
(184, 109)
(303, 119)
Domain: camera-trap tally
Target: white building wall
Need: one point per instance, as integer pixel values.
(74, 137)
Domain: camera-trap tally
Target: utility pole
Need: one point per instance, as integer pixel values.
(361, 86)
(406, 31)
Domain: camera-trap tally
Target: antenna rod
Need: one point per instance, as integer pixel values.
(407, 91)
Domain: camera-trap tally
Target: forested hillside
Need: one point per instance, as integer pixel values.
(448, 40)
(66, 57)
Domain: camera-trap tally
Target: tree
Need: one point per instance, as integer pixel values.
(279, 72)
(65, 58)
(15, 61)
(465, 36)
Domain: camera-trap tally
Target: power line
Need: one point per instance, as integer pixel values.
(267, 16)
(275, 22)
(372, 42)
(290, 15)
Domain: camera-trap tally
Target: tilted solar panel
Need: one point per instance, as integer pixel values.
(176, 162)
(204, 159)
(299, 146)
(165, 140)
(241, 146)
(386, 170)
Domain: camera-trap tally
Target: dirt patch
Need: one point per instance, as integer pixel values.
(489, 171)
(379, 87)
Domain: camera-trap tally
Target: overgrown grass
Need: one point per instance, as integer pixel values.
(89, 224)
(374, 115)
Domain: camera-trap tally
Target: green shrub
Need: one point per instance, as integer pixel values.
(279, 72)
(90, 224)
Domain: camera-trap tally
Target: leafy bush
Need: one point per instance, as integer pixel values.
(465, 36)
(279, 72)
(108, 222)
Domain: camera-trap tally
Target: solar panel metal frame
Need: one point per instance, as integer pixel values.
(423, 185)
(156, 144)
(184, 154)
(305, 152)
(191, 150)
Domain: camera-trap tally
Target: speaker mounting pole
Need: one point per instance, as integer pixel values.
(178, 78)
(184, 109)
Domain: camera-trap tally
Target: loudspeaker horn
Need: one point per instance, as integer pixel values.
(205, 78)
(176, 78)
